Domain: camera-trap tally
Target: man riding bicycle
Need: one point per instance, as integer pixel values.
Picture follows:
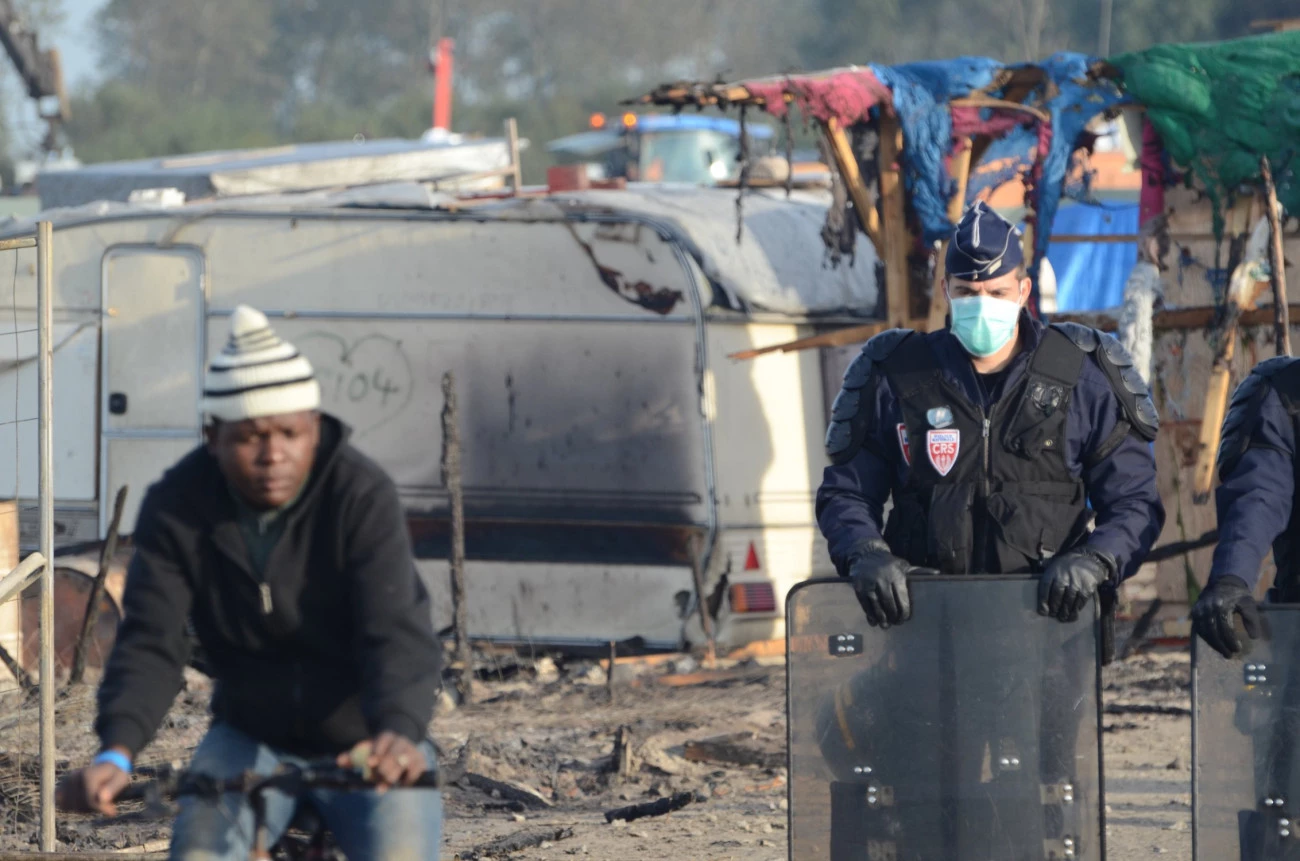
(287, 549)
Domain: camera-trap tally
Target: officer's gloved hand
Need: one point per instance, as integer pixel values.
(1071, 580)
(880, 579)
(1212, 614)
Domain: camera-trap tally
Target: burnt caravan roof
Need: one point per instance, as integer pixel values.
(298, 167)
(779, 265)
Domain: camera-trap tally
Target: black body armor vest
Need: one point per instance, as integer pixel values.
(987, 492)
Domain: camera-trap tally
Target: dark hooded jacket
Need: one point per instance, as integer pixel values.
(334, 645)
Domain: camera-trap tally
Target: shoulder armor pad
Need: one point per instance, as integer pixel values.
(1242, 412)
(1271, 367)
(849, 419)
(848, 424)
(845, 436)
(1283, 374)
(879, 347)
(842, 441)
(1133, 392)
(846, 404)
(1084, 337)
(1115, 351)
(858, 371)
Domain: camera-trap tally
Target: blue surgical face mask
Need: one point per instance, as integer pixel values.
(983, 324)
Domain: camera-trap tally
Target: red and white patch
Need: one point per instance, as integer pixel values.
(942, 447)
(904, 444)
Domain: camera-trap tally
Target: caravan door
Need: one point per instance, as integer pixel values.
(152, 365)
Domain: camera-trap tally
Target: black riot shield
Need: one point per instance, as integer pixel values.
(1245, 732)
(969, 733)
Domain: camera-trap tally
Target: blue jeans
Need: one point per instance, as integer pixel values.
(399, 824)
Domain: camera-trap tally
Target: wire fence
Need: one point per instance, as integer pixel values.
(26, 499)
(15, 417)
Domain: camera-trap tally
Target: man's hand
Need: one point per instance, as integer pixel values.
(1071, 580)
(389, 760)
(92, 789)
(880, 580)
(1212, 614)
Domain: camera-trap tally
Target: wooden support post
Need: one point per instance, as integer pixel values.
(18, 578)
(10, 614)
(609, 675)
(1216, 404)
(16, 670)
(837, 338)
(97, 591)
(960, 169)
(1277, 263)
(1238, 222)
(451, 478)
(697, 550)
(512, 136)
(894, 223)
(847, 164)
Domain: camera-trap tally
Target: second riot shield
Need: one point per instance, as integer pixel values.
(969, 733)
(1245, 732)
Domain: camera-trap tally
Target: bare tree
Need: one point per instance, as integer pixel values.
(1031, 20)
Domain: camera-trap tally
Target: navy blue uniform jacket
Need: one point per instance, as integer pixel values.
(1121, 489)
(1254, 499)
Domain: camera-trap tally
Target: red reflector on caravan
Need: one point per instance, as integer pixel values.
(751, 559)
(753, 598)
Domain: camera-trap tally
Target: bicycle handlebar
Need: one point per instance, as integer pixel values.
(293, 779)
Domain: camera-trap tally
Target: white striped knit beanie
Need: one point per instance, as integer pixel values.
(257, 374)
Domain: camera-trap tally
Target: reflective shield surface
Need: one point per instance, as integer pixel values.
(969, 733)
(1245, 726)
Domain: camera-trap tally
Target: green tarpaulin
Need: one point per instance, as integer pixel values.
(1219, 107)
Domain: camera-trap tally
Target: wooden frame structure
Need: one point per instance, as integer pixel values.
(908, 303)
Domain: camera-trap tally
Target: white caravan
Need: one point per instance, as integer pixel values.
(613, 451)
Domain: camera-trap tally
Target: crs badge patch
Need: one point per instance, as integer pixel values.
(904, 444)
(942, 447)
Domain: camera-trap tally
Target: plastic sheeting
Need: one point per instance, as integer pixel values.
(1091, 275)
(921, 92)
(1219, 107)
(1038, 152)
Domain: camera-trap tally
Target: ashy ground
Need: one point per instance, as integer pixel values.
(544, 751)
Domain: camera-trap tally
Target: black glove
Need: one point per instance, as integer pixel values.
(1212, 615)
(1071, 580)
(880, 579)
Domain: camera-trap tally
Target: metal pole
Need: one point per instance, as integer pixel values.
(1103, 29)
(45, 351)
(442, 83)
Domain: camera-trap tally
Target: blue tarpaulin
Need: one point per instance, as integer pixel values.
(1092, 275)
(921, 92)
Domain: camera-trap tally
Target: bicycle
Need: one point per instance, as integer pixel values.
(306, 839)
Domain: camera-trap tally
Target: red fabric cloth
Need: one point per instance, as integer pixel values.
(1151, 200)
(966, 122)
(847, 97)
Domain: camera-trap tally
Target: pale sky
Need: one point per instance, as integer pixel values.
(76, 42)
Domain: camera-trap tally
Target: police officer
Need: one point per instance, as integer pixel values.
(999, 440)
(1255, 501)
